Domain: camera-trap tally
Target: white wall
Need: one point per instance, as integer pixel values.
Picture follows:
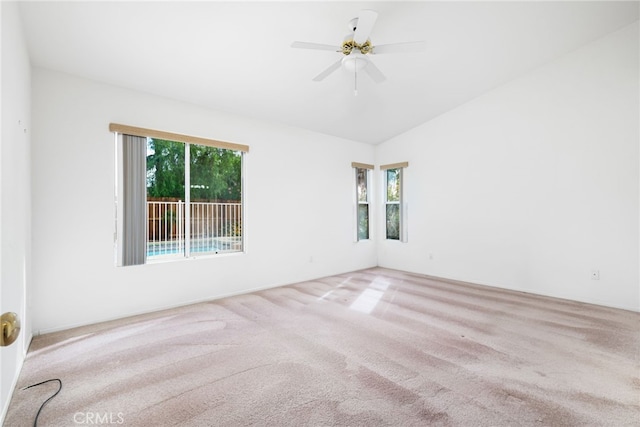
(534, 184)
(528, 187)
(299, 205)
(15, 183)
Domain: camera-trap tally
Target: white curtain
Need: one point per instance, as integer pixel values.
(134, 199)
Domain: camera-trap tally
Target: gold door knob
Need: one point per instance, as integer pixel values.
(10, 328)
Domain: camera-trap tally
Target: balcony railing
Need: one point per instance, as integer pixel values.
(213, 228)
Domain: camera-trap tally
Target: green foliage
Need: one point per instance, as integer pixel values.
(393, 185)
(165, 169)
(361, 179)
(363, 221)
(393, 221)
(393, 203)
(215, 172)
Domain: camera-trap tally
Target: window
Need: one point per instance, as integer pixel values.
(394, 224)
(180, 196)
(362, 200)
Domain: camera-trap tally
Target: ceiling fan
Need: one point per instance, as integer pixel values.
(356, 48)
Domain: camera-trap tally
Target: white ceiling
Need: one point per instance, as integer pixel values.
(236, 56)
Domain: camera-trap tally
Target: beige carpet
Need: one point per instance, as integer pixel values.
(374, 347)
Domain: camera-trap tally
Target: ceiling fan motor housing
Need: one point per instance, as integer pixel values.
(348, 44)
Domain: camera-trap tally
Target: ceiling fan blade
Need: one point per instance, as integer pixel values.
(366, 19)
(374, 72)
(328, 71)
(316, 46)
(406, 47)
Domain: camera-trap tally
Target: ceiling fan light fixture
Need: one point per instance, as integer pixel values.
(354, 62)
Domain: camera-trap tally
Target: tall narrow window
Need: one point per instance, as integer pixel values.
(362, 199)
(393, 200)
(191, 195)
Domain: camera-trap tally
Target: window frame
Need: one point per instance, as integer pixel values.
(188, 253)
(402, 220)
(367, 170)
(189, 222)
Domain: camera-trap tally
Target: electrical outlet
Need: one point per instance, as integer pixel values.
(595, 274)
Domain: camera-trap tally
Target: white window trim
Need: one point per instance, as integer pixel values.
(403, 205)
(355, 216)
(119, 209)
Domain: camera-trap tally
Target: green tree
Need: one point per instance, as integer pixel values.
(215, 172)
(165, 169)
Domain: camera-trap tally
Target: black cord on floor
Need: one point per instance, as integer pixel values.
(35, 422)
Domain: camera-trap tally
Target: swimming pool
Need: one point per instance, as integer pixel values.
(197, 246)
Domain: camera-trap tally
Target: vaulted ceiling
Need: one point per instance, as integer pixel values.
(237, 56)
